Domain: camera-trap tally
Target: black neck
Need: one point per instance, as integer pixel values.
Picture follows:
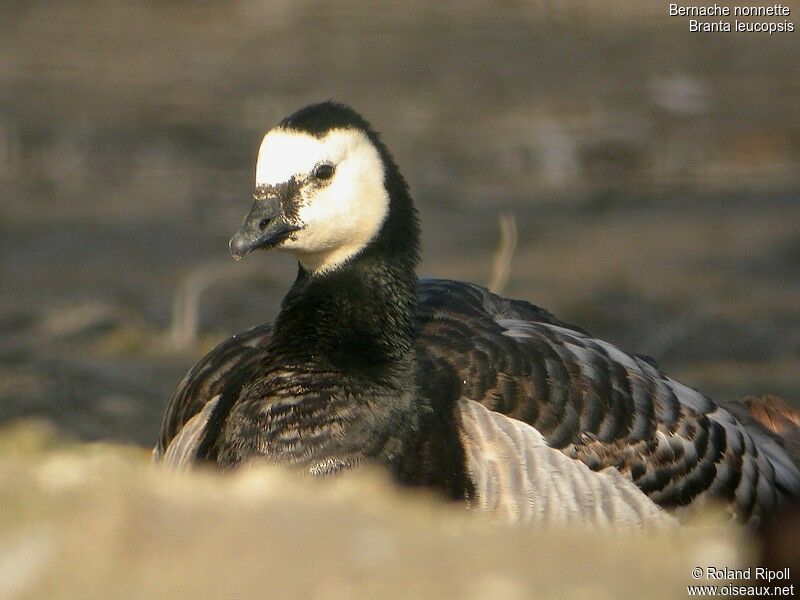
(362, 314)
(358, 317)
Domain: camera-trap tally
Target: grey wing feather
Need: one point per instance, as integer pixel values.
(519, 478)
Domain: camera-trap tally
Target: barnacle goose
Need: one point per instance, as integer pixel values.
(493, 401)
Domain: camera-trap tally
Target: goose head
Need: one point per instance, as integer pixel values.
(320, 189)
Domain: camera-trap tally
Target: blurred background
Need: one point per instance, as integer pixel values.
(653, 175)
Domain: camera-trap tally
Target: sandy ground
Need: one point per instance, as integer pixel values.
(96, 521)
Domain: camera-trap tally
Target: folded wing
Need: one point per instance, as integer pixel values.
(596, 404)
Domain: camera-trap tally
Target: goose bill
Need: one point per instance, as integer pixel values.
(264, 227)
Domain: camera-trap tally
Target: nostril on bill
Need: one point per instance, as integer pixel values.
(263, 223)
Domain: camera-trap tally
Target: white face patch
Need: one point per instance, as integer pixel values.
(338, 216)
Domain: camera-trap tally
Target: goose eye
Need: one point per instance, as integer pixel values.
(323, 171)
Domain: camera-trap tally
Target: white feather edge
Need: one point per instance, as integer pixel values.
(181, 453)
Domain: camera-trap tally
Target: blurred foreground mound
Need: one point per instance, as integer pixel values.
(98, 521)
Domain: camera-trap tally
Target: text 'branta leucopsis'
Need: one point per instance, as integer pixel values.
(493, 401)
